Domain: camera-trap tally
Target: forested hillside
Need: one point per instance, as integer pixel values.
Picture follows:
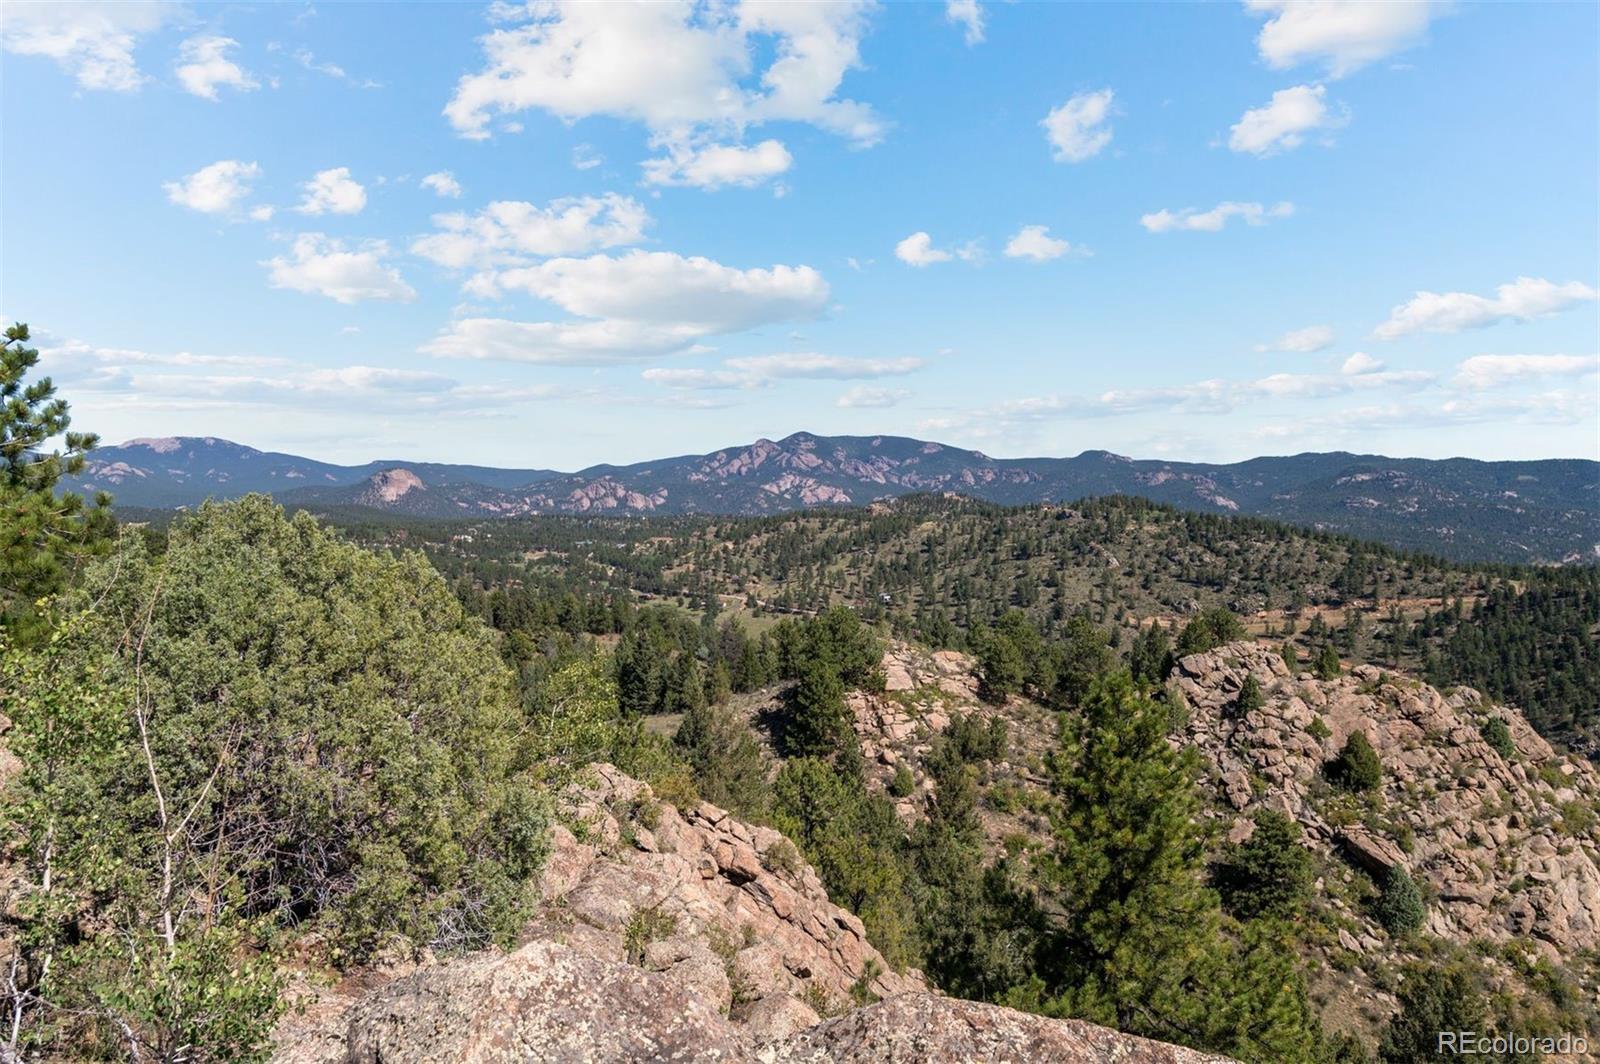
(939, 570)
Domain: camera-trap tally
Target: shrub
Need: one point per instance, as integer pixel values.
(1250, 697)
(1498, 736)
(644, 927)
(903, 783)
(1357, 767)
(1318, 729)
(1327, 665)
(1209, 630)
(338, 747)
(1399, 906)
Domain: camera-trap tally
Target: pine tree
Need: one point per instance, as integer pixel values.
(1129, 853)
(817, 723)
(1140, 942)
(43, 536)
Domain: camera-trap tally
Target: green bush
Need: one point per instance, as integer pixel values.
(1399, 906)
(903, 783)
(1498, 736)
(1357, 767)
(1326, 666)
(1210, 630)
(1269, 874)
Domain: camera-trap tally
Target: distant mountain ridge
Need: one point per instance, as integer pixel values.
(1537, 511)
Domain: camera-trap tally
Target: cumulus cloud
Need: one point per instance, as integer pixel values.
(1483, 372)
(715, 166)
(635, 305)
(1524, 299)
(968, 15)
(675, 66)
(333, 191)
(215, 189)
(203, 66)
(1311, 339)
(569, 343)
(444, 184)
(1343, 35)
(94, 42)
(665, 288)
(1077, 130)
(872, 398)
(1359, 363)
(1035, 242)
(1284, 122)
(918, 250)
(510, 232)
(1192, 219)
(696, 379)
(318, 265)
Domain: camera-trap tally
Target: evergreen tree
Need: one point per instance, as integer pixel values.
(1250, 696)
(1270, 873)
(1357, 767)
(817, 723)
(1399, 906)
(43, 536)
(1327, 665)
(1150, 660)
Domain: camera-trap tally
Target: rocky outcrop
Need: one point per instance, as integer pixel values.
(389, 486)
(922, 1029)
(552, 1003)
(1505, 845)
(676, 936)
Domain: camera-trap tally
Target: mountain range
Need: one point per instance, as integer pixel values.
(1532, 511)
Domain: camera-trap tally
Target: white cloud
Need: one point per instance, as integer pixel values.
(307, 59)
(569, 343)
(761, 370)
(663, 288)
(918, 250)
(93, 42)
(632, 306)
(262, 213)
(333, 191)
(1483, 372)
(1195, 220)
(675, 66)
(1524, 299)
(1035, 242)
(1077, 129)
(204, 65)
(967, 14)
(717, 165)
(791, 365)
(509, 232)
(443, 183)
(215, 189)
(1344, 35)
(584, 157)
(1284, 122)
(874, 398)
(1213, 396)
(696, 379)
(1311, 339)
(1360, 363)
(318, 265)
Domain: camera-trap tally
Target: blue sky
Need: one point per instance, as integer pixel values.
(545, 235)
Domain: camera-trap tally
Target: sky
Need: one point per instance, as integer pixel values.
(551, 235)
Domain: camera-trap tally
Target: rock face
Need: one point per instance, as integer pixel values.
(1503, 843)
(669, 936)
(923, 1029)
